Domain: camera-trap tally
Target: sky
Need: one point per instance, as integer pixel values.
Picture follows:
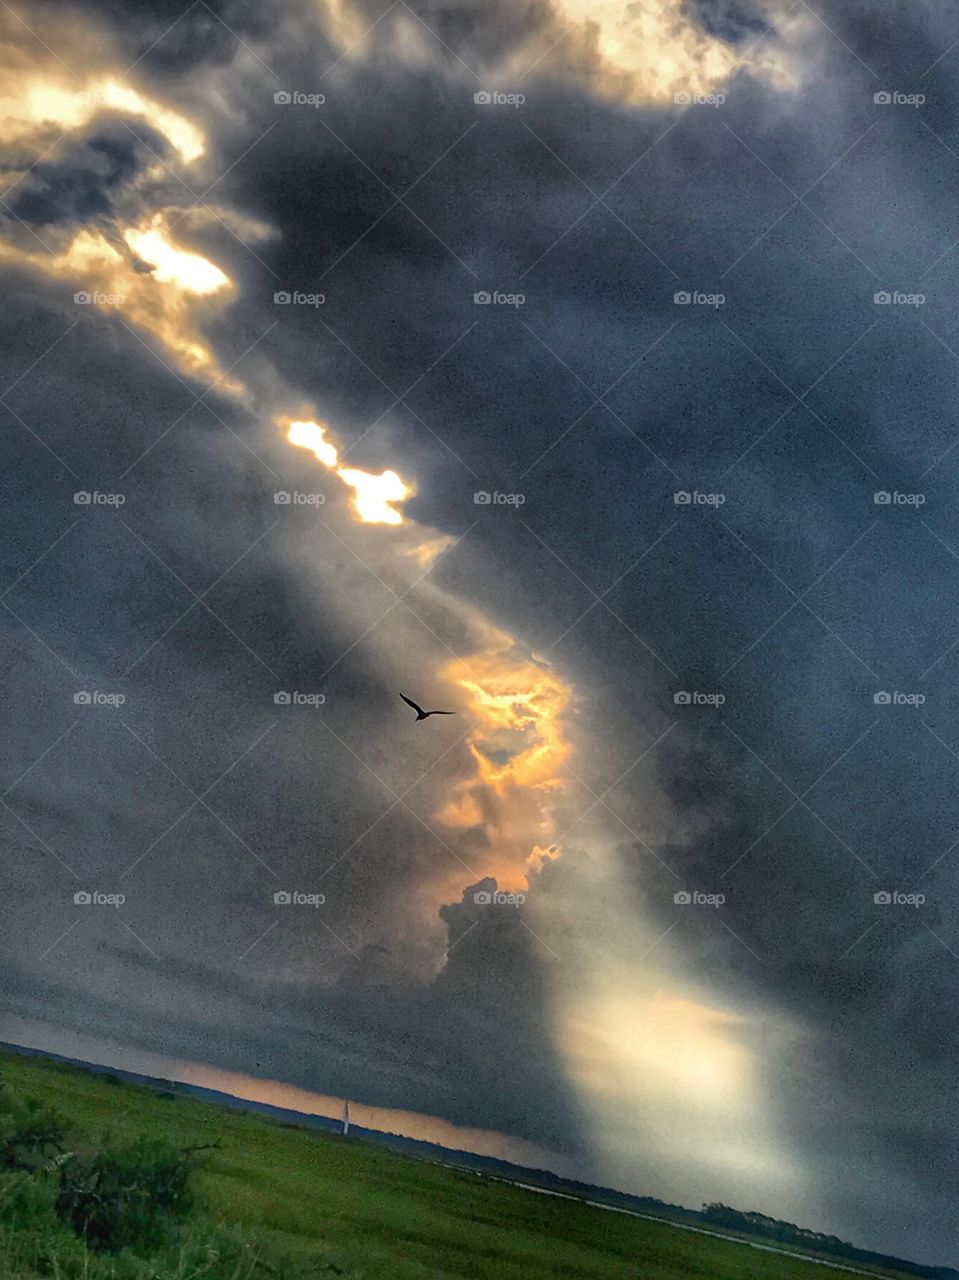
(585, 370)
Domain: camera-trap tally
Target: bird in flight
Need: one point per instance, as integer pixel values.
(420, 713)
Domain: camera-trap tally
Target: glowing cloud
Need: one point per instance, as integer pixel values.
(180, 132)
(518, 703)
(310, 435)
(44, 100)
(633, 51)
(120, 261)
(658, 47)
(373, 495)
(518, 746)
(188, 271)
(427, 552)
(159, 301)
(651, 50)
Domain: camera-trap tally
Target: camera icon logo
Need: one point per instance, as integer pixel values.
(282, 699)
(282, 898)
(81, 499)
(282, 298)
(482, 498)
(882, 499)
(282, 498)
(882, 699)
(682, 298)
(681, 99)
(483, 98)
(282, 97)
(882, 298)
(682, 898)
(882, 99)
(682, 498)
(83, 298)
(682, 699)
(82, 699)
(882, 898)
(482, 897)
(482, 299)
(82, 898)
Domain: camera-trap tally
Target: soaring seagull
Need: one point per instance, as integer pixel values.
(420, 713)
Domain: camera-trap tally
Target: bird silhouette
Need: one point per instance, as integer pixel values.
(420, 713)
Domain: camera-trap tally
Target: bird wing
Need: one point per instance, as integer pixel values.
(441, 713)
(410, 703)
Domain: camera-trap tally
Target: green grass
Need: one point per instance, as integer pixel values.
(332, 1206)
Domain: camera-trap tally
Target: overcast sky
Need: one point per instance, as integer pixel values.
(586, 370)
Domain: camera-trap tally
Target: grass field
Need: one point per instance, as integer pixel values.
(284, 1201)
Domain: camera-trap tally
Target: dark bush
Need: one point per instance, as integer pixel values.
(31, 1133)
(125, 1196)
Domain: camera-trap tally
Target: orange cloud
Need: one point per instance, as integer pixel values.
(519, 739)
(519, 747)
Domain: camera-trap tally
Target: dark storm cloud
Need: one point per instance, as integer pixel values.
(174, 37)
(426, 1049)
(708, 405)
(79, 186)
(731, 22)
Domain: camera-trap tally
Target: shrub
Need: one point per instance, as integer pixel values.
(31, 1133)
(125, 1196)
